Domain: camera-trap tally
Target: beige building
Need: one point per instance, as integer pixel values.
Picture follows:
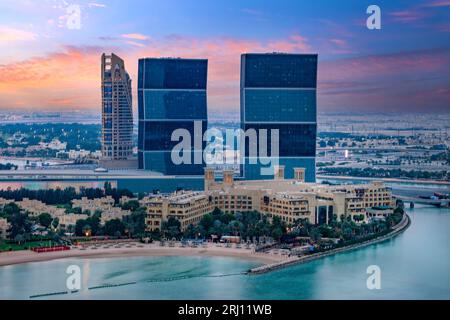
(4, 228)
(92, 205)
(187, 206)
(106, 205)
(36, 207)
(70, 220)
(292, 199)
(289, 199)
(125, 199)
(4, 202)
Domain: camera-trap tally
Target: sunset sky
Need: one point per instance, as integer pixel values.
(405, 66)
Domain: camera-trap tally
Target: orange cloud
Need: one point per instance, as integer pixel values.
(65, 79)
(71, 78)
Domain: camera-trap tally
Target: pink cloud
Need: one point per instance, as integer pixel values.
(408, 15)
(135, 36)
(412, 80)
(62, 79)
(443, 27)
(70, 78)
(436, 4)
(418, 13)
(339, 42)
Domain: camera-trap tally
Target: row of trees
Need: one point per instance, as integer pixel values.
(249, 224)
(64, 196)
(254, 224)
(8, 166)
(344, 229)
(386, 173)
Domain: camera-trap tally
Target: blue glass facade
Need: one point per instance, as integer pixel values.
(279, 70)
(278, 91)
(295, 140)
(172, 73)
(171, 96)
(166, 105)
(280, 105)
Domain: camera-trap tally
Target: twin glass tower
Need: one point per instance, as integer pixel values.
(171, 96)
(278, 91)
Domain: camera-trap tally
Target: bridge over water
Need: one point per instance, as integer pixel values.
(432, 202)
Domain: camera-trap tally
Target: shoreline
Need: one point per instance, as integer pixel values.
(149, 250)
(395, 180)
(398, 229)
(270, 262)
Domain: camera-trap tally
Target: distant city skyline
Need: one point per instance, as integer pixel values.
(44, 65)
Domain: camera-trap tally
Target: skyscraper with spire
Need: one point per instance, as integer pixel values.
(117, 111)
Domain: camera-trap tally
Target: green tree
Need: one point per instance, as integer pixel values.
(277, 233)
(79, 227)
(20, 225)
(207, 221)
(86, 229)
(114, 227)
(131, 205)
(55, 223)
(10, 209)
(135, 222)
(171, 228)
(45, 220)
(19, 239)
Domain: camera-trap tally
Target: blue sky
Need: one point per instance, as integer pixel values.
(403, 66)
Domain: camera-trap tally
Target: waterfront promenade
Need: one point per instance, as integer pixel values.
(386, 180)
(396, 230)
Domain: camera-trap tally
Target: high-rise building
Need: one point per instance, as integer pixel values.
(117, 112)
(278, 91)
(171, 96)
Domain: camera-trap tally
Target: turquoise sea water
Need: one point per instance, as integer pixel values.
(414, 265)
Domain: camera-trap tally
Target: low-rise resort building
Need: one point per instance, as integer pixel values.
(289, 199)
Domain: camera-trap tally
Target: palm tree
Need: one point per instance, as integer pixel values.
(19, 239)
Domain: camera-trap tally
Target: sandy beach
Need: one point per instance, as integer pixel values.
(137, 250)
